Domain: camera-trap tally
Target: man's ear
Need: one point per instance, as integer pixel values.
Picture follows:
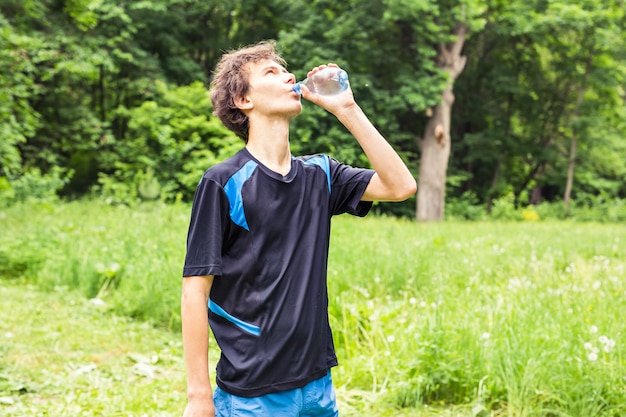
(243, 103)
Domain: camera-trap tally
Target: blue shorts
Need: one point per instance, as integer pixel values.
(317, 398)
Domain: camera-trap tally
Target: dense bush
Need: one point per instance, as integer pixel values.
(169, 143)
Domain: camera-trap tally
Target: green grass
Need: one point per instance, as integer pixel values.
(458, 319)
(64, 356)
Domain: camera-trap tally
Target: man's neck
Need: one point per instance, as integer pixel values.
(269, 143)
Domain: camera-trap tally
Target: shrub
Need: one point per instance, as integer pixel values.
(168, 145)
(33, 185)
(466, 207)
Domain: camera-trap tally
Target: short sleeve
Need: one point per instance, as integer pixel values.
(207, 228)
(348, 185)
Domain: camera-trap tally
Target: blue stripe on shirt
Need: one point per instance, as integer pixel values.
(322, 162)
(233, 192)
(247, 327)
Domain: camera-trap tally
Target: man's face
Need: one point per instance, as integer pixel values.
(271, 91)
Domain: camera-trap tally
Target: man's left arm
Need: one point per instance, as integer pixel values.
(392, 181)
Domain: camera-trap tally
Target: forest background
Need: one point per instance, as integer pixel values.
(107, 98)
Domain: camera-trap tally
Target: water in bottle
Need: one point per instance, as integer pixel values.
(328, 82)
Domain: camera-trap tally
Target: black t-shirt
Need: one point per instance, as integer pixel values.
(265, 238)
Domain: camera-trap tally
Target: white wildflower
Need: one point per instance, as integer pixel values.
(608, 343)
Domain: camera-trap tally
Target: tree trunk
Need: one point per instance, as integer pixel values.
(103, 115)
(494, 183)
(536, 195)
(570, 172)
(496, 174)
(572, 150)
(435, 145)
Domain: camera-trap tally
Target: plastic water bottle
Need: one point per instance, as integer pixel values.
(327, 82)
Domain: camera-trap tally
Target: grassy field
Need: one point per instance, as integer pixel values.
(448, 319)
(64, 356)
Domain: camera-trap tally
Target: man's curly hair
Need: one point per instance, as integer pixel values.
(231, 81)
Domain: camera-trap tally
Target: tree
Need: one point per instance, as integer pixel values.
(517, 107)
(435, 144)
(585, 53)
(403, 58)
(78, 68)
(18, 120)
(539, 95)
(389, 50)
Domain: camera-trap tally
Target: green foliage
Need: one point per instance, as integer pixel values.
(7, 194)
(82, 12)
(598, 208)
(544, 72)
(392, 73)
(18, 120)
(168, 144)
(466, 207)
(148, 186)
(504, 208)
(109, 90)
(33, 186)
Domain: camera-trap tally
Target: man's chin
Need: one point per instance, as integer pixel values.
(296, 113)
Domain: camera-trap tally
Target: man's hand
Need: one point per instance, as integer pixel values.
(392, 181)
(334, 104)
(200, 408)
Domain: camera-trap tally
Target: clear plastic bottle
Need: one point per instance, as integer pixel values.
(327, 82)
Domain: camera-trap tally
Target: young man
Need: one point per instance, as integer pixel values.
(258, 241)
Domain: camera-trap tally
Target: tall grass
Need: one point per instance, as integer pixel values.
(520, 317)
(502, 319)
(132, 258)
